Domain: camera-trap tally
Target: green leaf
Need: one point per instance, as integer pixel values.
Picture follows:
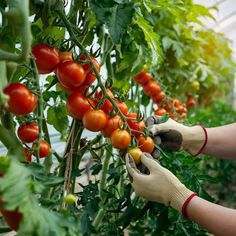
(116, 17)
(151, 37)
(57, 116)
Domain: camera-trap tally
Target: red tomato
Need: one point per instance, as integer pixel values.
(90, 74)
(152, 88)
(134, 124)
(142, 78)
(136, 153)
(113, 123)
(21, 101)
(72, 89)
(160, 111)
(106, 105)
(65, 56)
(159, 97)
(27, 155)
(95, 120)
(47, 58)
(146, 144)
(44, 149)
(70, 74)
(12, 218)
(190, 102)
(120, 139)
(122, 106)
(28, 132)
(77, 105)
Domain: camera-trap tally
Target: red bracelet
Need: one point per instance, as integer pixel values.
(184, 207)
(205, 142)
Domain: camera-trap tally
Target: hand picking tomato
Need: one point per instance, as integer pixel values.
(120, 139)
(136, 153)
(107, 105)
(142, 78)
(28, 132)
(65, 56)
(152, 88)
(90, 74)
(146, 144)
(47, 58)
(70, 74)
(77, 105)
(122, 106)
(95, 120)
(113, 123)
(44, 148)
(21, 101)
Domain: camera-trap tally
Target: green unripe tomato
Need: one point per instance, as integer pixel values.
(70, 199)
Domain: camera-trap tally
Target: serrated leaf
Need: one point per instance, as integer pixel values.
(152, 38)
(116, 17)
(57, 116)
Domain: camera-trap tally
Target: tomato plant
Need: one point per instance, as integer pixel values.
(107, 66)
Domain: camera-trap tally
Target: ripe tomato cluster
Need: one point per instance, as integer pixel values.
(172, 107)
(94, 111)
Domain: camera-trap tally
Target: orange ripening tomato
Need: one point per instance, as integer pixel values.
(90, 74)
(120, 139)
(95, 120)
(44, 148)
(152, 88)
(136, 153)
(77, 105)
(160, 111)
(113, 123)
(143, 78)
(47, 58)
(65, 56)
(146, 144)
(28, 133)
(122, 106)
(106, 106)
(134, 124)
(21, 100)
(159, 97)
(70, 74)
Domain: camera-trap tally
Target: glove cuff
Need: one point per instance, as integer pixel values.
(180, 197)
(184, 207)
(195, 140)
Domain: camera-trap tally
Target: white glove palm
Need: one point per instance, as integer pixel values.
(160, 185)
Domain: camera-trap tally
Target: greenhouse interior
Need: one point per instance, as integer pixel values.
(117, 117)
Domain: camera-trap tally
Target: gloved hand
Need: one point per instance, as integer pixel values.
(174, 136)
(159, 185)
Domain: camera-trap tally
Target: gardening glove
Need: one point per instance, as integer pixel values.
(159, 185)
(174, 136)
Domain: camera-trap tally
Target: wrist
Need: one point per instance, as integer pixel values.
(195, 139)
(185, 205)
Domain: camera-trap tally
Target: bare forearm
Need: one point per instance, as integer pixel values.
(221, 142)
(214, 218)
